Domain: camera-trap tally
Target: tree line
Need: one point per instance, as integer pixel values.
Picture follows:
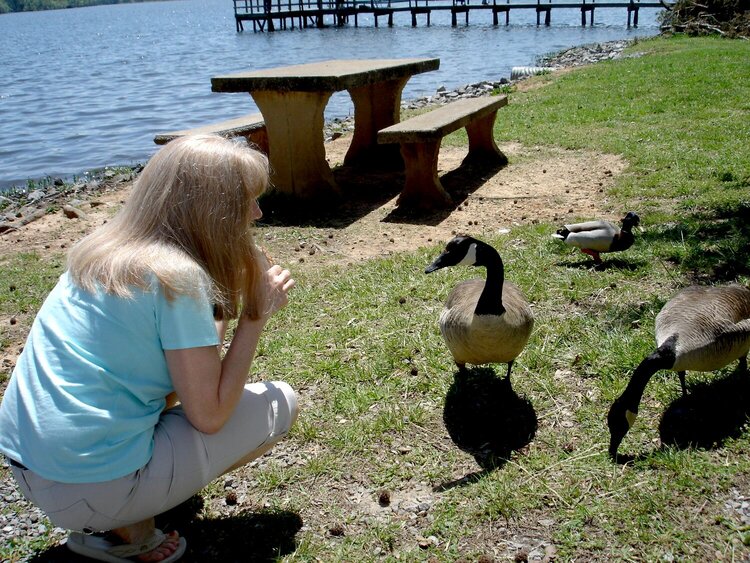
(34, 5)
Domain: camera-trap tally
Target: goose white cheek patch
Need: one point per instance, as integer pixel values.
(470, 258)
(630, 416)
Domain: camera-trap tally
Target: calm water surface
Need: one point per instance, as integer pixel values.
(89, 87)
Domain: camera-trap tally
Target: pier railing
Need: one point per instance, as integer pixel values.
(270, 15)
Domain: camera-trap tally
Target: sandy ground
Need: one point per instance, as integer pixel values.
(538, 185)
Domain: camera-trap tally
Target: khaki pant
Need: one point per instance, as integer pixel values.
(183, 462)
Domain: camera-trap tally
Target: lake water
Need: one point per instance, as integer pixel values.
(89, 87)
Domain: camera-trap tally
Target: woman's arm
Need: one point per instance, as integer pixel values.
(221, 329)
(210, 387)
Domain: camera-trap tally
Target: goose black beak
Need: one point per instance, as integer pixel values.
(436, 265)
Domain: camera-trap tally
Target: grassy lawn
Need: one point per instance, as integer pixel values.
(362, 346)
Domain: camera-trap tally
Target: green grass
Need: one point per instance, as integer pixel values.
(362, 346)
(25, 280)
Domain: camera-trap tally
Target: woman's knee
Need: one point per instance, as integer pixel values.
(287, 408)
(283, 405)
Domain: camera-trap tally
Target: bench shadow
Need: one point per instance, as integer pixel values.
(486, 418)
(244, 536)
(361, 190)
(460, 183)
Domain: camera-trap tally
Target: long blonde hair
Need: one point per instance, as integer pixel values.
(188, 223)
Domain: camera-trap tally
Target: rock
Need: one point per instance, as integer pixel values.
(34, 196)
(73, 212)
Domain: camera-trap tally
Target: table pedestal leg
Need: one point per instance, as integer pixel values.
(376, 106)
(294, 122)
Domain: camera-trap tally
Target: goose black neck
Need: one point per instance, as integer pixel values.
(662, 358)
(491, 300)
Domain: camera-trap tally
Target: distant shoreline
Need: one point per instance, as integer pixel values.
(44, 5)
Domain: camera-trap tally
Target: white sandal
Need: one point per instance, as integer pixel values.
(100, 548)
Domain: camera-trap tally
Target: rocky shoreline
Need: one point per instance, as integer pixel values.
(19, 207)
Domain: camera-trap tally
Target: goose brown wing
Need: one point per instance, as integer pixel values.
(712, 325)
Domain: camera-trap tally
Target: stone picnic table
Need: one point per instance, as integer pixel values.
(292, 100)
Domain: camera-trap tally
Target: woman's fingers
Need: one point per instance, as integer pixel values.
(280, 281)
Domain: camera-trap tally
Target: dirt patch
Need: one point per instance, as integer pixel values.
(538, 185)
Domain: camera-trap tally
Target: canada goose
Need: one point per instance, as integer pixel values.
(701, 329)
(482, 321)
(595, 237)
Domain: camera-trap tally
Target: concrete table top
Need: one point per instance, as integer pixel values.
(333, 75)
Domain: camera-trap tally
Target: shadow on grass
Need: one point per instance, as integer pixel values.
(706, 417)
(607, 264)
(486, 418)
(713, 244)
(241, 537)
(710, 413)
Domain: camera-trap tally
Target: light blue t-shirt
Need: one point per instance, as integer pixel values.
(91, 382)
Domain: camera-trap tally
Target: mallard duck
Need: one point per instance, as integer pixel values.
(700, 329)
(595, 237)
(483, 321)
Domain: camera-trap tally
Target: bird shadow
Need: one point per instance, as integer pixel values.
(486, 418)
(467, 479)
(246, 535)
(608, 264)
(711, 412)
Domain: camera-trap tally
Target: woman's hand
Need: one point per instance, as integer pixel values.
(279, 282)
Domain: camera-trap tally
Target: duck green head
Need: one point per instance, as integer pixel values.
(630, 220)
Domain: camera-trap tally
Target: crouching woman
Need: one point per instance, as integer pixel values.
(136, 324)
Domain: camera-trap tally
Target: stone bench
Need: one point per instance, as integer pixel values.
(250, 126)
(420, 139)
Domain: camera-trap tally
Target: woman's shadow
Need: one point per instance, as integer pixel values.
(486, 418)
(243, 536)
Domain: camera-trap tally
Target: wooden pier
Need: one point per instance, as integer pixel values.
(271, 15)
